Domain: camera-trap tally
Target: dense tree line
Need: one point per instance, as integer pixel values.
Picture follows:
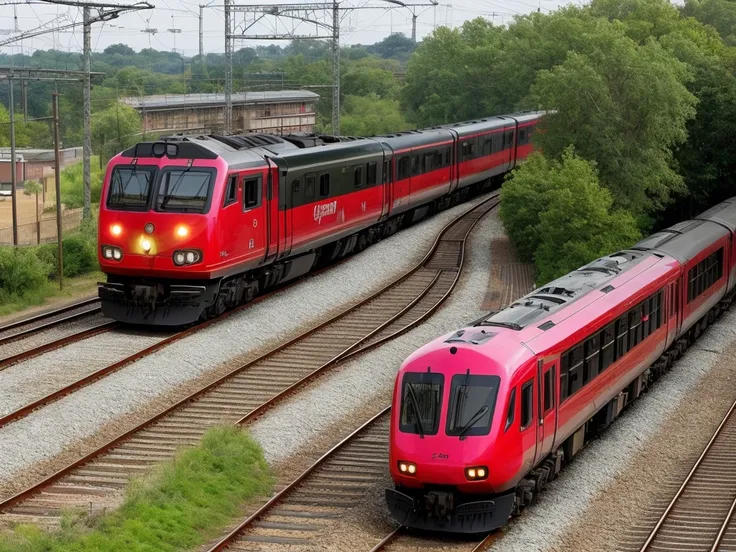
(641, 102)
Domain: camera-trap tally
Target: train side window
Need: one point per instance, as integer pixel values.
(622, 333)
(607, 349)
(309, 181)
(634, 327)
(448, 157)
(592, 357)
(428, 162)
(527, 404)
(251, 192)
(549, 391)
(438, 164)
(563, 384)
(646, 309)
(231, 194)
(358, 176)
(416, 165)
(371, 177)
(324, 185)
(658, 318)
(386, 168)
(404, 167)
(575, 373)
(522, 136)
(488, 146)
(512, 408)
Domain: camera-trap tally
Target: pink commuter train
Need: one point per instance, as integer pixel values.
(485, 416)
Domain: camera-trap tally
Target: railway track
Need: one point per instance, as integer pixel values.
(400, 539)
(249, 390)
(699, 517)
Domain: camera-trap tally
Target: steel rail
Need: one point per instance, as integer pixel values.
(223, 543)
(49, 314)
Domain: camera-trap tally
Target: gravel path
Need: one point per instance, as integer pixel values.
(32, 379)
(50, 430)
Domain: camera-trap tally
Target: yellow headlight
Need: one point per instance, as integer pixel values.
(116, 229)
(146, 245)
(182, 231)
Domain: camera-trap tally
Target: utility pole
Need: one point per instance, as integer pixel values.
(335, 69)
(175, 32)
(87, 143)
(201, 34)
(13, 174)
(228, 70)
(57, 180)
(414, 28)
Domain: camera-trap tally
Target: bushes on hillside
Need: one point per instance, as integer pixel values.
(21, 271)
(559, 217)
(80, 253)
(72, 183)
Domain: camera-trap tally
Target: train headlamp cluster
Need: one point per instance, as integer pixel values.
(116, 229)
(112, 253)
(476, 473)
(183, 257)
(407, 468)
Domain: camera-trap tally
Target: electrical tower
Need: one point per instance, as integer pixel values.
(318, 21)
(103, 12)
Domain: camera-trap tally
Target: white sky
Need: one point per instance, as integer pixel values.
(357, 27)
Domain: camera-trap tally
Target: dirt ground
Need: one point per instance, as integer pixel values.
(27, 229)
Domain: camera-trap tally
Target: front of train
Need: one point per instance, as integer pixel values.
(452, 456)
(156, 233)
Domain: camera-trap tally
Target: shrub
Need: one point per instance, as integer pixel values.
(80, 255)
(21, 271)
(72, 183)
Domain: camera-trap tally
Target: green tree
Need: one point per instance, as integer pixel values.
(624, 106)
(371, 115)
(115, 129)
(558, 215)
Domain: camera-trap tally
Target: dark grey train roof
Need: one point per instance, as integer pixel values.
(684, 240)
(541, 302)
(724, 214)
(342, 151)
(414, 138)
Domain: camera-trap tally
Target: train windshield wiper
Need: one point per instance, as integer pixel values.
(415, 406)
(477, 416)
(509, 325)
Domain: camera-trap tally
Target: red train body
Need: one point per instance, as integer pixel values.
(192, 226)
(484, 416)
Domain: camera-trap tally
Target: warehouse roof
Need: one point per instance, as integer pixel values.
(202, 100)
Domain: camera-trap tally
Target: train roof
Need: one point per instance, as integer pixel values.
(335, 153)
(684, 240)
(724, 214)
(540, 303)
(414, 138)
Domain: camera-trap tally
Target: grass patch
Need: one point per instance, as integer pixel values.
(72, 183)
(181, 505)
(48, 293)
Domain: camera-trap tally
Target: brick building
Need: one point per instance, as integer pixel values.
(276, 112)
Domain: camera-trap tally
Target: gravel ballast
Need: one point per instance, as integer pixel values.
(50, 430)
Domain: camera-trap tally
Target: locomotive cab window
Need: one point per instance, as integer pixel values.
(185, 190)
(251, 192)
(231, 193)
(527, 404)
(472, 401)
(130, 188)
(421, 401)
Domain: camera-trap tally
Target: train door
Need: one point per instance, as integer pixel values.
(271, 204)
(232, 243)
(672, 310)
(546, 402)
(280, 221)
(387, 181)
(253, 227)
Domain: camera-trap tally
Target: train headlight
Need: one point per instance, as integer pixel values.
(187, 257)
(116, 229)
(476, 473)
(407, 468)
(182, 231)
(146, 245)
(110, 252)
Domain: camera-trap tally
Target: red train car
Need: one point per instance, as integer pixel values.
(193, 225)
(485, 416)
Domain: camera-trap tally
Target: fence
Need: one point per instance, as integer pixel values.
(28, 232)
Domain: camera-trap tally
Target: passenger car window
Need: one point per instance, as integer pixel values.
(549, 390)
(358, 176)
(231, 193)
(324, 185)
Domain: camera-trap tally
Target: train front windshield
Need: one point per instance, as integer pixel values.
(472, 400)
(421, 402)
(175, 189)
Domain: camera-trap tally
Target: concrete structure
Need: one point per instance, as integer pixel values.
(35, 164)
(277, 112)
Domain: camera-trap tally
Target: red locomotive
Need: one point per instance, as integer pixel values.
(484, 416)
(191, 226)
